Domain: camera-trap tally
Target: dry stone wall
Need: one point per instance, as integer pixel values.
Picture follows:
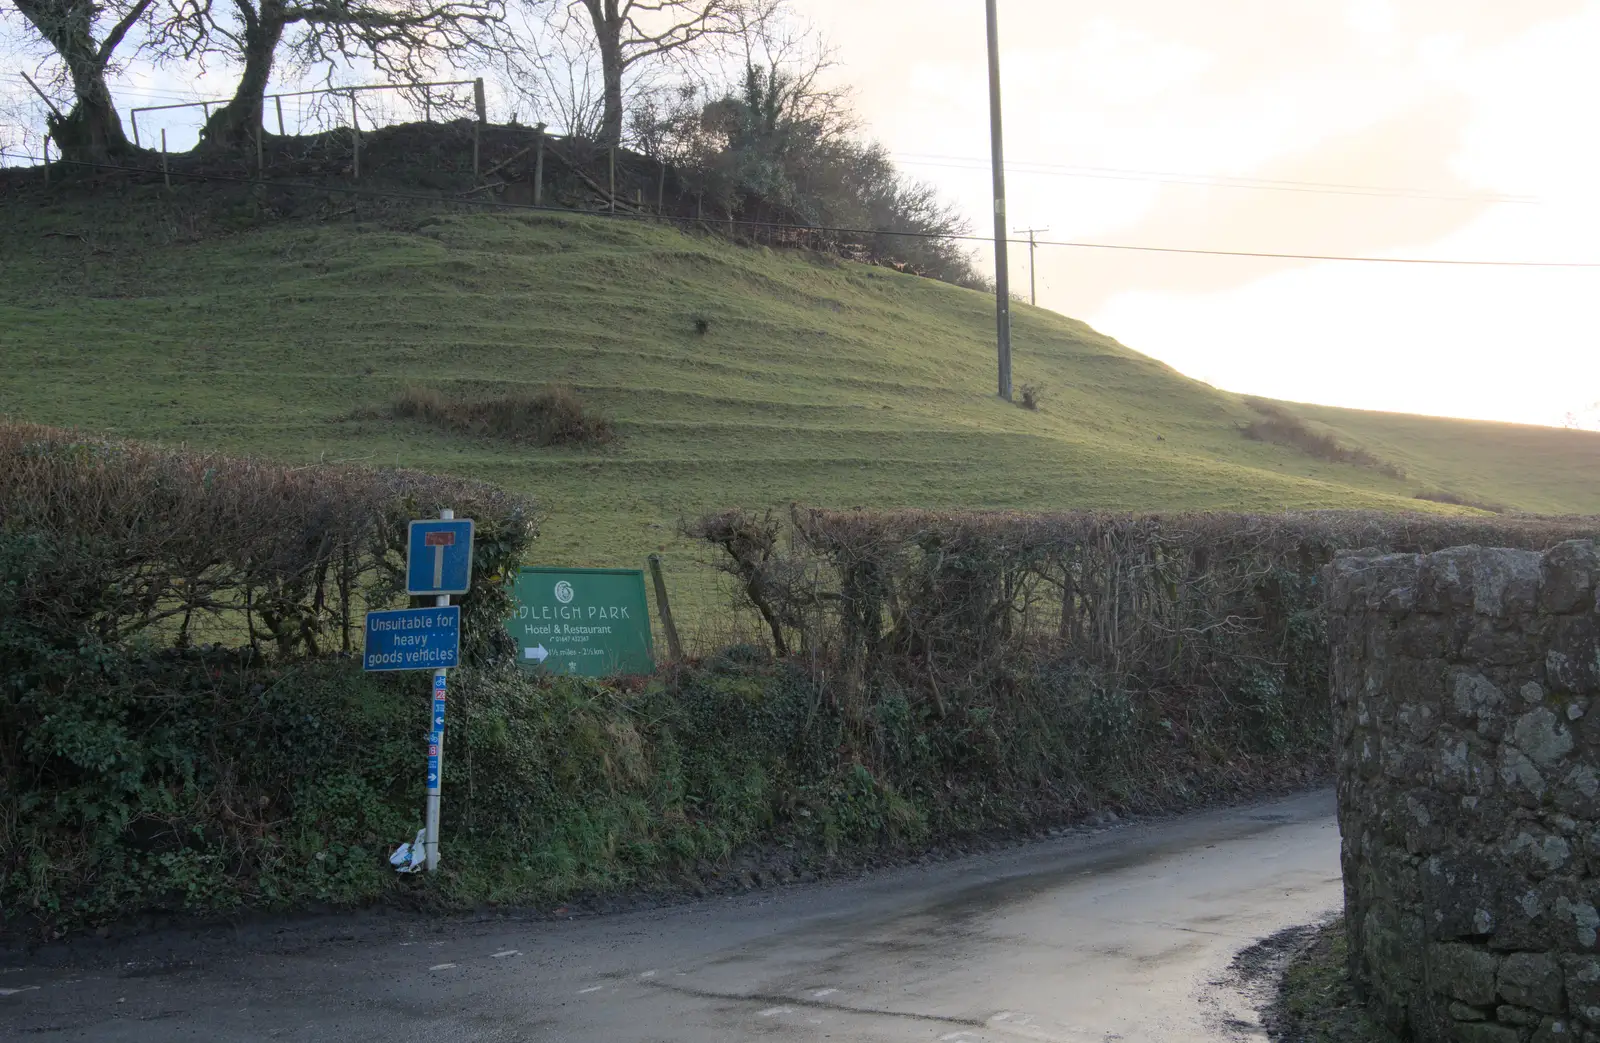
(1464, 687)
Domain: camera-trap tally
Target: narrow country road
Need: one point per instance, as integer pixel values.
(1122, 934)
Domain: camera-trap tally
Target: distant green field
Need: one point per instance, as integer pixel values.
(817, 381)
(1541, 469)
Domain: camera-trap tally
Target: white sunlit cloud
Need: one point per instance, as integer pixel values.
(1328, 334)
(1455, 100)
(1493, 343)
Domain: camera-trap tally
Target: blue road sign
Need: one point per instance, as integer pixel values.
(439, 557)
(414, 639)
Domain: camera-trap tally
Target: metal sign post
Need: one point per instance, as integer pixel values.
(435, 766)
(437, 540)
(438, 563)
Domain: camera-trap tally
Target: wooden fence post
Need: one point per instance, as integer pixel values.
(133, 116)
(261, 132)
(355, 138)
(47, 160)
(482, 108)
(661, 193)
(279, 101)
(613, 181)
(164, 175)
(664, 608)
(538, 170)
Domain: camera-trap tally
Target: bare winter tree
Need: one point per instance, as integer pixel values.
(784, 134)
(84, 37)
(14, 129)
(23, 113)
(758, 114)
(627, 33)
(553, 68)
(403, 38)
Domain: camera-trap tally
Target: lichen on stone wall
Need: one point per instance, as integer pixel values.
(1464, 687)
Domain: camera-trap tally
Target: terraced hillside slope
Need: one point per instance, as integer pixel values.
(733, 375)
(1541, 469)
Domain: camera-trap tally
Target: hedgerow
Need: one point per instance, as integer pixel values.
(185, 729)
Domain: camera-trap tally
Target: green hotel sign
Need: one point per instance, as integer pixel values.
(591, 622)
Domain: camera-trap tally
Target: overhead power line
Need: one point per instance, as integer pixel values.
(1212, 180)
(498, 204)
(1326, 257)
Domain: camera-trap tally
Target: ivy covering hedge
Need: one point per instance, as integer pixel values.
(184, 728)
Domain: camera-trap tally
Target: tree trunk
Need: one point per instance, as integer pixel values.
(234, 125)
(92, 131)
(611, 69)
(608, 22)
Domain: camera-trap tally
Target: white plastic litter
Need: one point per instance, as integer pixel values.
(412, 857)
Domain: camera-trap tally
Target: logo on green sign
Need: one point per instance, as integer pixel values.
(590, 622)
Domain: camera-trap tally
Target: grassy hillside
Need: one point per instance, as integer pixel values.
(816, 380)
(1541, 469)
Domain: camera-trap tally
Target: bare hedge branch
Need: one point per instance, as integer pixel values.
(971, 601)
(169, 542)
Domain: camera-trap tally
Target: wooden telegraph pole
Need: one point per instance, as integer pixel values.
(1033, 282)
(1002, 275)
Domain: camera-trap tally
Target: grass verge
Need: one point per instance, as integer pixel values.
(1316, 1002)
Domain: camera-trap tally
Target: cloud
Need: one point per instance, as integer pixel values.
(1413, 148)
(1453, 98)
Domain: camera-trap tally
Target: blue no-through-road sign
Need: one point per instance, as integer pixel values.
(414, 639)
(439, 556)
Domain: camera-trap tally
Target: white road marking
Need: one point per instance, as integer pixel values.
(952, 1037)
(592, 988)
(823, 992)
(13, 992)
(648, 974)
(441, 967)
(772, 1012)
(507, 952)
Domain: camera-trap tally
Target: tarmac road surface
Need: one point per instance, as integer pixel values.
(1122, 934)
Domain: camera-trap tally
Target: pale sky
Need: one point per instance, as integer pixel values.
(1481, 99)
(1459, 128)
